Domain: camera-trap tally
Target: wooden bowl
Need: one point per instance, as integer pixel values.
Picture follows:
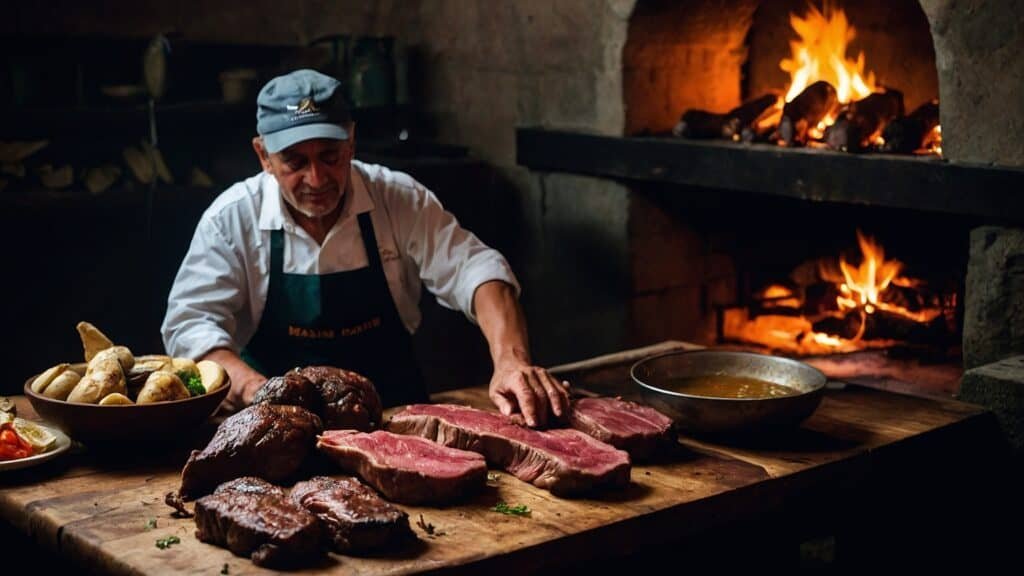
(159, 422)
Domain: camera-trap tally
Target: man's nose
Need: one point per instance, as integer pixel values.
(315, 176)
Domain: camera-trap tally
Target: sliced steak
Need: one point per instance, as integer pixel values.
(265, 440)
(293, 389)
(273, 531)
(349, 400)
(566, 462)
(406, 469)
(640, 430)
(352, 516)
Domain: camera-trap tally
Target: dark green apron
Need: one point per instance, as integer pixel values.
(343, 319)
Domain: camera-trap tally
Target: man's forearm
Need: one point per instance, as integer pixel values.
(516, 381)
(502, 322)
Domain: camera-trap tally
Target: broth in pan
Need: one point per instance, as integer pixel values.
(721, 386)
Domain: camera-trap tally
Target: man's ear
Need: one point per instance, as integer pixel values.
(261, 153)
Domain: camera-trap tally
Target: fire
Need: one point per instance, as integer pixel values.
(863, 289)
(820, 54)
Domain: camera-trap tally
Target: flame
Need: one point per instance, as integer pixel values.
(820, 54)
(865, 282)
(933, 142)
(863, 289)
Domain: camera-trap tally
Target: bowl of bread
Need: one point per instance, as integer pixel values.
(117, 396)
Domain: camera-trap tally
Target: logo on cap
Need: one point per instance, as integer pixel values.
(305, 107)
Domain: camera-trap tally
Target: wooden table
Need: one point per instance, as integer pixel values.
(94, 512)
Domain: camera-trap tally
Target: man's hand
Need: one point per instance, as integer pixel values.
(241, 396)
(531, 389)
(245, 381)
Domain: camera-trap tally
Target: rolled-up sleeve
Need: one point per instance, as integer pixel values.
(451, 260)
(207, 295)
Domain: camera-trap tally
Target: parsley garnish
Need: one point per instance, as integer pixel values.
(165, 543)
(193, 382)
(150, 524)
(520, 510)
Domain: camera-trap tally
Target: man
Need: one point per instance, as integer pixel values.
(320, 259)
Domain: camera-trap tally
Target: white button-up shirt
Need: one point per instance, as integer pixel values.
(221, 289)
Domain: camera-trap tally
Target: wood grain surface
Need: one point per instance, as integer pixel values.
(94, 509)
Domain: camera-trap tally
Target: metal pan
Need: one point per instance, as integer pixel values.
(705, 415)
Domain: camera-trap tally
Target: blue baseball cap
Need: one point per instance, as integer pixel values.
(301, 105)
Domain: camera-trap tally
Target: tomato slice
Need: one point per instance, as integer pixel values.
(12, 445)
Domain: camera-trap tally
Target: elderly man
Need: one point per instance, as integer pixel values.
(320, 259)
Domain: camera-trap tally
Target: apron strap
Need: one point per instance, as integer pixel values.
(370, 242)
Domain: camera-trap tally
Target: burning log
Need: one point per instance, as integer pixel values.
(747, 114)
(703, 124)
(907, 134)
(805, 111)
(863, 121)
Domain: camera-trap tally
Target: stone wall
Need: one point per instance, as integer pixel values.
(978, 44)
(492, 66)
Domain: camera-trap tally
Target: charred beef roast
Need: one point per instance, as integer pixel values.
(406, 469)
(640, 430)
(349, 400)
(352, 516)
(293, 389)
(266, 440)
(566, 462)
(252, 518)
(251, 485)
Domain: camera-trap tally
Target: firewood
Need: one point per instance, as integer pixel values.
(856, 128)
(805, 111)
(745, 115)
(701, 124)
(753, 133)
(907, 134)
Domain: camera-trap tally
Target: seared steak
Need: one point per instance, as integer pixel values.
(251, 485)
(349, 400)
(637, 429)
(292, 388)
(270, 529)
(265, 440)
(352, 516)
(406, 469)
(566, 462)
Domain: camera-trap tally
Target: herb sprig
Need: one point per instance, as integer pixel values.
(167, 542)
(504, 508)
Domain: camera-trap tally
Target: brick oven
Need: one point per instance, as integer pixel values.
(883, 262)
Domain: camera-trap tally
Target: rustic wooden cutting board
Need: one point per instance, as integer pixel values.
(96, 513)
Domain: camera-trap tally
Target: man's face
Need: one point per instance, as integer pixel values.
(312, 174)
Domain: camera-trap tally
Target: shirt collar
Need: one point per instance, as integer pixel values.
(273, 214)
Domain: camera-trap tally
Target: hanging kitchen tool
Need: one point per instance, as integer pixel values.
(156, 66)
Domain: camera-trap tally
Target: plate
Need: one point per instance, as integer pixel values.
(63, 443)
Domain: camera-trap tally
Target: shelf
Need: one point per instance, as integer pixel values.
(908, 182)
